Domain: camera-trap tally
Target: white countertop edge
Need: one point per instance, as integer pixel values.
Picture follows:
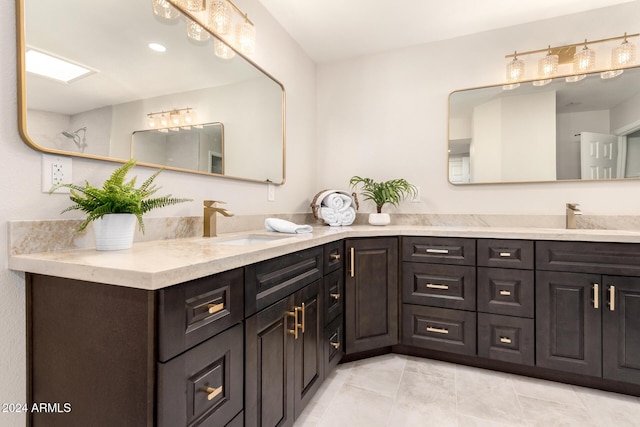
(158, 264)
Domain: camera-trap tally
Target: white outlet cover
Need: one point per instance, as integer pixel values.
(56, 169)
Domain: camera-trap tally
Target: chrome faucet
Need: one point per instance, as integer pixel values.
(210, 210)
(571, 212)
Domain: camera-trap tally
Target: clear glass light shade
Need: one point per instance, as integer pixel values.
(584, 60)
(194, 5)
(165, 10)
(222, 50)
(623, 55)
(151, 122)
(196, 32)
(164, 122)
(175, 118)
(515, 70)
(246, 38)
(189, 117)
(220, 16)
(548, 66)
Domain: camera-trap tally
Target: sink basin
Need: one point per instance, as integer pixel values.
(252, 239)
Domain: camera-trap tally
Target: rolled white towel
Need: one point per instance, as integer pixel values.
(347, 216)
(330, 216)
(284, 226)
(333, 201)
(347, 200)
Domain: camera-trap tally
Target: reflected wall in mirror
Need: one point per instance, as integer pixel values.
(198, 148)
(586, 130)
(96, 115)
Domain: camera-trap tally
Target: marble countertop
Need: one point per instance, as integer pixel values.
(158, 264)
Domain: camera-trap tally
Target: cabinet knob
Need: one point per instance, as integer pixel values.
(335, 345)
(335, 296)
(212, 392)
(335, 256)
(214, 308)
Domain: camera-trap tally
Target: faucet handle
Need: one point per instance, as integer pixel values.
(210, 203)
(573, 206)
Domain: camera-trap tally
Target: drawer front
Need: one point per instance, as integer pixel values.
(439, 250)
(269, 281)
(505, 253)
(203, 386)
(506, 338)
(333, 295)
(588, 257)
(333, 256)
(333, 345)
(192, 312)
(503, 291)
(446, 286)
(439, 329)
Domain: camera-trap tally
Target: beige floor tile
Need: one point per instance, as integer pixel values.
(468, 421)
(543, 413)
(381, 376)
(546, 390)
(431, 367)
(611, 409)
(355, 407)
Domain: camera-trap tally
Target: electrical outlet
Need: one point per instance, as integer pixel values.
(416, 197)
(271, 192)
(55, 170)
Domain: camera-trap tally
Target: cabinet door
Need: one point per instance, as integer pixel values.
(371, 294)
(621, 329)
(269, 366)
(308, 371)
(568, 323)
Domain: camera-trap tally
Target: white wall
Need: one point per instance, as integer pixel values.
(385, 116)
(22, 197)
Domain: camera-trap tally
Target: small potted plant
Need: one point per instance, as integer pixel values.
(116, 206)
(391, 192)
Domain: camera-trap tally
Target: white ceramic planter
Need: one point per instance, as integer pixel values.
(379, 219)
(114, 232)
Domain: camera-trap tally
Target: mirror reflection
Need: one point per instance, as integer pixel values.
(122, 80)
(586, 130)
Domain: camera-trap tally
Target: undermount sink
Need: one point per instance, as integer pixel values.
(252, 239)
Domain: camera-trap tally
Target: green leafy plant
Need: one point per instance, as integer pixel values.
(117, 196)
(391, 192)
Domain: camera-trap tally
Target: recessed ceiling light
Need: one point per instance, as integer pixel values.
(47, 65)
(157, 47)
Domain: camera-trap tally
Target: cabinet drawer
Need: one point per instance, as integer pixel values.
(439, 250)
(333, 345)
(333, 295)
(439, 329)
(203, 386)
(192, 312)
(503, 291)
(333, 256)
(589, 257)
(505, 253)
(269, 281)
(447, 286)
(506, 338)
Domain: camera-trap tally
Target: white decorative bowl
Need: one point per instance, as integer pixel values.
(379, 219)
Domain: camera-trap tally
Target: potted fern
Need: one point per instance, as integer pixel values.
(115, 208)
(392, 192)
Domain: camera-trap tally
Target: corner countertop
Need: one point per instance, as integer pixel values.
(158, 264)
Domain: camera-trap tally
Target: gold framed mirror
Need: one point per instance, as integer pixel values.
(128, 84)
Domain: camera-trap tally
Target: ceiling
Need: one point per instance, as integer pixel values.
(331, 30)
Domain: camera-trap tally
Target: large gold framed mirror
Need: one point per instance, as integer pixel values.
(129, 87)
(586, 130)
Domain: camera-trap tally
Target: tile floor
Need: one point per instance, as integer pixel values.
(396, 390)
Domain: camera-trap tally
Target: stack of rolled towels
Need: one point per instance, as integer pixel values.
(337, 208)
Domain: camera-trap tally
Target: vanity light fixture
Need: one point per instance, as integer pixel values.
(583, 60)
(165, 10)
(171, 120)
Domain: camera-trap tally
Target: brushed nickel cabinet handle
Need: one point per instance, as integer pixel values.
(505, 254)
(335, 296)
(437, 251)
(435, 286)
(334, 256)
(353, 261)
(212, 392)
(505, 340)
(596, 302)
(437, 330)
(612, 298)
(214, 308)
(505, 293)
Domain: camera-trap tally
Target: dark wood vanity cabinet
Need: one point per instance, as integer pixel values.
(333, 295)
(131, 357)
(439, 294)
(371, 293)
(588, 322)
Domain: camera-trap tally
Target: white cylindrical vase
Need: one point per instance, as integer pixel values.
(114, 232)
